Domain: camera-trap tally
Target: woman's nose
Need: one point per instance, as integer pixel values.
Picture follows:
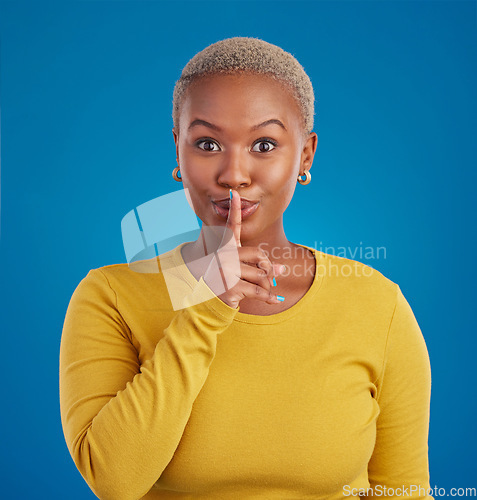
(234, 169)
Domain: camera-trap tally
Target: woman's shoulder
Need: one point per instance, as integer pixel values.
(140, 284)
(127, 271)
(355, 277)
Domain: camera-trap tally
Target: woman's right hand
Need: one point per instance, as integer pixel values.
(246, 271)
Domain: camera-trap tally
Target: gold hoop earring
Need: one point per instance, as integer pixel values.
(307, 178)
(174, 174)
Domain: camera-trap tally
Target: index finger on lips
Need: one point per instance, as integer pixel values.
(234, 220)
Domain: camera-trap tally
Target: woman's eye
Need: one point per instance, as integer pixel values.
(264, 146)
(208, 145)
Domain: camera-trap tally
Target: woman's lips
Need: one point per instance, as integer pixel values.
(246, 212)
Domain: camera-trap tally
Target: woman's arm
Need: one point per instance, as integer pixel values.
(123, 421)
(400, 457)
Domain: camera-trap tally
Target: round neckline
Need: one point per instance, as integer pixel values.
(241, 317)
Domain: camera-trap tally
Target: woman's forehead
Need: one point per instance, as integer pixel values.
(246, 98)
(238, 82)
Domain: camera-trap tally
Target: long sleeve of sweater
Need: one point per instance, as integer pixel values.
(399, 465)
(123, 420)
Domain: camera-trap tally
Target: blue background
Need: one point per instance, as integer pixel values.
(86, 91)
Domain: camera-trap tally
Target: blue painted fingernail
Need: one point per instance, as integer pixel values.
(230, 192)
(274, 282)
(280, 298)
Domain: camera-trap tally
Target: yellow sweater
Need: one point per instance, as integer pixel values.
(318, 401)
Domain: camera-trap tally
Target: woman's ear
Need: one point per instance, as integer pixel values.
(176, 141)
(309, 149)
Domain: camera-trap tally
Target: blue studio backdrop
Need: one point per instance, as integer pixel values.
(86, 92)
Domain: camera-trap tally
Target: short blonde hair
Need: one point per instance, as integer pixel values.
(242, 54)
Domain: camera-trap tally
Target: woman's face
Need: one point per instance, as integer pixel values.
(242, 131)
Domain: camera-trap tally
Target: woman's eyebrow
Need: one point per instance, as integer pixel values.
(205, 124)
(268, 122)
(198, 121)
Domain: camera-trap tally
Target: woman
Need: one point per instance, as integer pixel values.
(322, 392)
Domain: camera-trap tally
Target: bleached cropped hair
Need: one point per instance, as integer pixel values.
(248, 54)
